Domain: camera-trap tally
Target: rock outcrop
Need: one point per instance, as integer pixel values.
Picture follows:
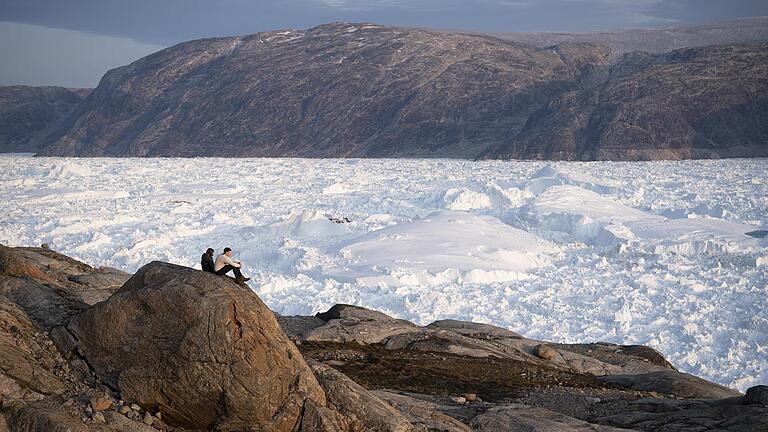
(179, 349)
(37, 383)
(28, 114)
(524, 418)
(531, 385)
(361, 409)
(422, 413)
(346, 323)
(672, 382)
(51, 287)
(198, 348)
(736, 414)
(361, 90)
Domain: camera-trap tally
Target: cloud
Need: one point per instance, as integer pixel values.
(699, 11)
(34, 55)
(171, 21)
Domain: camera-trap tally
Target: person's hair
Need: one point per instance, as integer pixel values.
(227, 250)
(209, 251)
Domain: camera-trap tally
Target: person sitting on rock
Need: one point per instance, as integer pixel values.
(206, 261)
(225, 264)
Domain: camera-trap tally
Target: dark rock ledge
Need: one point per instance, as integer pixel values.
(171, 348)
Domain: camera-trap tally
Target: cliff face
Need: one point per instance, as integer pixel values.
(344, 90)
(692, 103)
(28, 114)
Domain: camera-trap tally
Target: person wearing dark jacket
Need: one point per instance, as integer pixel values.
(206, 262)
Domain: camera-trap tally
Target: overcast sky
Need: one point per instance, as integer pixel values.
(73, 42)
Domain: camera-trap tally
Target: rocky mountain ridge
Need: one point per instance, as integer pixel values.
(173, 348)
(333, 91)
(364, 90)
(693, 103)
(29, 114)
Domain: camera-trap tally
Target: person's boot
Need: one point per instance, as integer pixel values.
(242, 280)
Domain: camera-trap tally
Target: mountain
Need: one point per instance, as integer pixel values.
(27, 114)
(362, 90)
(693, 103)
(334, 91)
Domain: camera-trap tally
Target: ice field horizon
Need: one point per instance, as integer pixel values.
(670, 254)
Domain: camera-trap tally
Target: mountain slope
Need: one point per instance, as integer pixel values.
(692, 103)
(27, 114)
(335, 90)
(343, 90)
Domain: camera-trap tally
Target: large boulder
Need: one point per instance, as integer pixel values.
(200, 349)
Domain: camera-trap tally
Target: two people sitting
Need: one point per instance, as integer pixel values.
(223, 265)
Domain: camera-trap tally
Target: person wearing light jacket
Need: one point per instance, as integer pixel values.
(225, 264)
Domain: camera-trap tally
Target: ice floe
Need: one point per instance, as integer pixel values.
(669, 254)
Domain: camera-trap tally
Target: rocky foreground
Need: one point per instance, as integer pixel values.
(172, 348)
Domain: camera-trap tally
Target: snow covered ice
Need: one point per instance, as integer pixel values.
(639, 253)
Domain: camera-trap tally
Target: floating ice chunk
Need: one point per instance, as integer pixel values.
(598, 220)
(462, 199)
(480, 248)
(307, 223)
(587, 216)
(378, 221)
(703, 209)
(508, 197)
(336, 188)
(550, 176)
(68, 170)
(575, 200)
(696, 235)
(55, 196)
(478, 276)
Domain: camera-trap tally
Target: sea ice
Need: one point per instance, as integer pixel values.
(654, 253)
(481, 248)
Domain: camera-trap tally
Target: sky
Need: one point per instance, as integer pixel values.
(73, 43)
